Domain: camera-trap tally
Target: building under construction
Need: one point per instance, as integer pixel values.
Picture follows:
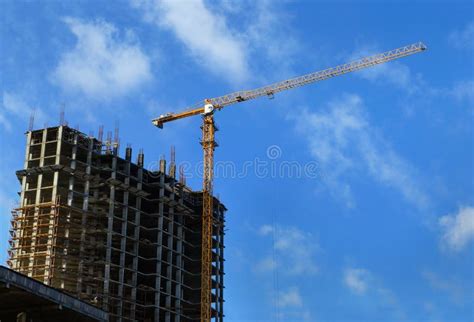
(110, 232)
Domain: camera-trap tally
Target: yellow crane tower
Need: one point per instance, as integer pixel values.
(207, 108)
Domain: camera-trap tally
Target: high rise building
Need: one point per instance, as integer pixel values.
(111, 232)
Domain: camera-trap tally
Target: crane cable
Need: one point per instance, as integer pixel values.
(276, 287)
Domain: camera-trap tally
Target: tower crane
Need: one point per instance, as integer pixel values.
(206, 109)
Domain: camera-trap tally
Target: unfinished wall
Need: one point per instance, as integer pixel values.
(111, 232)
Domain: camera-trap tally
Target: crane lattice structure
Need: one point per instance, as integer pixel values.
(207, 108)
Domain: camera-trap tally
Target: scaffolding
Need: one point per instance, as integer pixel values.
(110, 232)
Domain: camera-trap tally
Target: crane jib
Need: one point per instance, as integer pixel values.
(269, 90)
(318, 76)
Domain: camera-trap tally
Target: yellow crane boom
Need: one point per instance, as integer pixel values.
(207, 107)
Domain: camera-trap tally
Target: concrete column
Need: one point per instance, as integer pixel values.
(85, 209)
(136, 243)
(179, 262)
(171, 256)
(221, 268)
(37, 208)
(123, 240)
(159, 249)
(49, 269)
(110, 223)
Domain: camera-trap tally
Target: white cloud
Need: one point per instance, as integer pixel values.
(206, 34)
(270, 34)
(265, 265)
(293, 255)
(266, 229)
(344, 143)
(458, 229)
(399, 75)
(362, 282)
(448, 285)
(290, 306)
(4, 122)
(357, 279)
(240, 41)
(463, 91)
(294, 251)
(463, 39)
(14, 108)
(101, 65)
(290, 298)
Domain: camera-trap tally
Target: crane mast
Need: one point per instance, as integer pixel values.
(207, 108)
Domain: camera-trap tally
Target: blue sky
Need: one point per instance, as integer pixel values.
(379, 223)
